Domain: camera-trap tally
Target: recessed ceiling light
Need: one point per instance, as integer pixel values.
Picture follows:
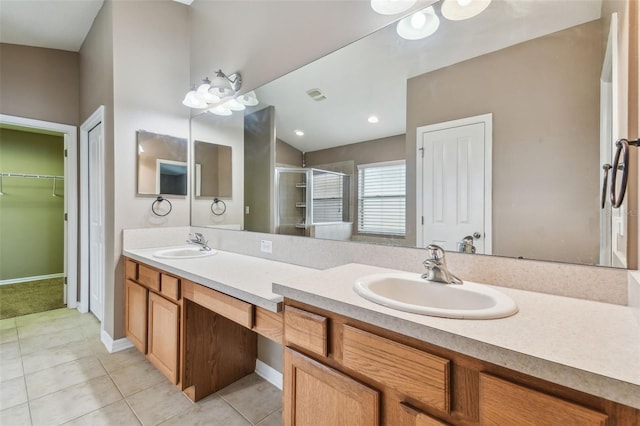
(299, 132)
(373, 119)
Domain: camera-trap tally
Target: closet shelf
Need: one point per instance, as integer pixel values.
(30, 176)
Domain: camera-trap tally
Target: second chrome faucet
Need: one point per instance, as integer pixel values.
(437, 267)
(197, 238)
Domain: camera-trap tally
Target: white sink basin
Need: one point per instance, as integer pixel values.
(410, 293)
(183, 253)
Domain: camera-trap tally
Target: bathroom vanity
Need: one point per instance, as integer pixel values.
(350, 361)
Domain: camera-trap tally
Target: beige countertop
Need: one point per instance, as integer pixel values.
(243, 277)
(589, 346)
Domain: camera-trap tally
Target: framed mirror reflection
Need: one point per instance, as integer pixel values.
(162, 164)
(502, 123)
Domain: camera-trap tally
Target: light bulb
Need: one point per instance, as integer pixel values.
(464, 3)
(418, 20)
(299, 132)
(373, 119)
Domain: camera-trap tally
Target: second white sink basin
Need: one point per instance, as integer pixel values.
(183, 253)
(410, 293)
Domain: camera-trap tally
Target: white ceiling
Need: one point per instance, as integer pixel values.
(369, 76)
(54, 24)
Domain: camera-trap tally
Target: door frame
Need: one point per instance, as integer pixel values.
(487, 120)
(96, 118)
(70, 135)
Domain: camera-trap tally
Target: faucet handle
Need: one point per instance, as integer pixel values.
(435, 252)
(197, 236)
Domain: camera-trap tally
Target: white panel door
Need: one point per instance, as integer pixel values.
(96, 221)
(453, 182)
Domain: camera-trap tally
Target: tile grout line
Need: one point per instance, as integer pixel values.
(24, 376)
(126, 401)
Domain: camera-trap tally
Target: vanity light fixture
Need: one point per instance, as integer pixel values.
(419, 25)
(248, 99)
(223, 85)
(299, 132)
(391, 7)
(216, 95)
(458, 10)
(373, 119)
(220, 110)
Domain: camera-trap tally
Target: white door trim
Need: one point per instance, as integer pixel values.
(71, 195)
(96, 118)
(487, 120)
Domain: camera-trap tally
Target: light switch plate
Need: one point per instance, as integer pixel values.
(266, 246)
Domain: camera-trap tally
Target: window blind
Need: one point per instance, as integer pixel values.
(328, 200)
(382, 198)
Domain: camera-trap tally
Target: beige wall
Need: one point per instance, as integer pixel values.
(543, 141)
(286, 155)
(41, 84)
(259, 163)
(139, 73)
(227, 131)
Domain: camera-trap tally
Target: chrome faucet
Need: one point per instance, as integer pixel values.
(198, 239)
(437, 267)
(466, 245)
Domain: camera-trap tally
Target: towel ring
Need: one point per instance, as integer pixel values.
(215, 207)
(157, 203)
(622, 149)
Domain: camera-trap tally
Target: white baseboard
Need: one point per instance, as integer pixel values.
(27, 279)
(114, 345)
(269, 373)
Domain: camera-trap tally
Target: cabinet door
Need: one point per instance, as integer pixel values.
(315, 394)
(505, 403)
(164, 330)
(135, 302)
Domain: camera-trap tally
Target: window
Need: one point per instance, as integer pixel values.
(382, 198)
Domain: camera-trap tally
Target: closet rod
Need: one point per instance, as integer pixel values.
(27, 175)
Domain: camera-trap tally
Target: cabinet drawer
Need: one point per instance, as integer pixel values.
(411, 372)
(170, 286)
(131, 270)
(305, 330)
(269, 324)
(414, 417)
(229, 307)
(149, 277)
(503, 402)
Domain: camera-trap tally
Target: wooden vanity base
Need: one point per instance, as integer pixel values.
(219, 350)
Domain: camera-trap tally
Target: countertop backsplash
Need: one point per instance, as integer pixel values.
(601, 284)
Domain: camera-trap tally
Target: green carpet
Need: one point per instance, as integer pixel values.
(30, 297)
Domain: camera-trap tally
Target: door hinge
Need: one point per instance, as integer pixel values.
(65, 280)
(422, 219)
(66, 152)
(66, 217)
(421, 152)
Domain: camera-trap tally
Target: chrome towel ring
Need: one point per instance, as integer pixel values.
(218, 207)
(622, 150)
(156, 207)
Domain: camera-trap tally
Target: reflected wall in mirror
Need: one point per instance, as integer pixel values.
(502, 140)
(162, 164)
(212, 170)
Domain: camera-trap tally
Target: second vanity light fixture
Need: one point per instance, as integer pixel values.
(217, 95)
(425, 22)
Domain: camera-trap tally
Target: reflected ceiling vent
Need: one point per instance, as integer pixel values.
(316, 94)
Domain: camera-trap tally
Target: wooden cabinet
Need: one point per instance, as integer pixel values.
(316, 395)
(163, 337)
(336, 365)
(135, 318)
(152, 316)
(505, 403)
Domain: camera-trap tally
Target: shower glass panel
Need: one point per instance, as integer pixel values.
(309, 197)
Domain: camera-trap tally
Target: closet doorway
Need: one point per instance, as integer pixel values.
(38, 226)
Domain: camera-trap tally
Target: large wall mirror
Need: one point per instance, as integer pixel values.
(489, 137)
(162, 164)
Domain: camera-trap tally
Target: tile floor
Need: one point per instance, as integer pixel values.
(54, 370)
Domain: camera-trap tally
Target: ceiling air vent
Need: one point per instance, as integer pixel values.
(316, 94)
